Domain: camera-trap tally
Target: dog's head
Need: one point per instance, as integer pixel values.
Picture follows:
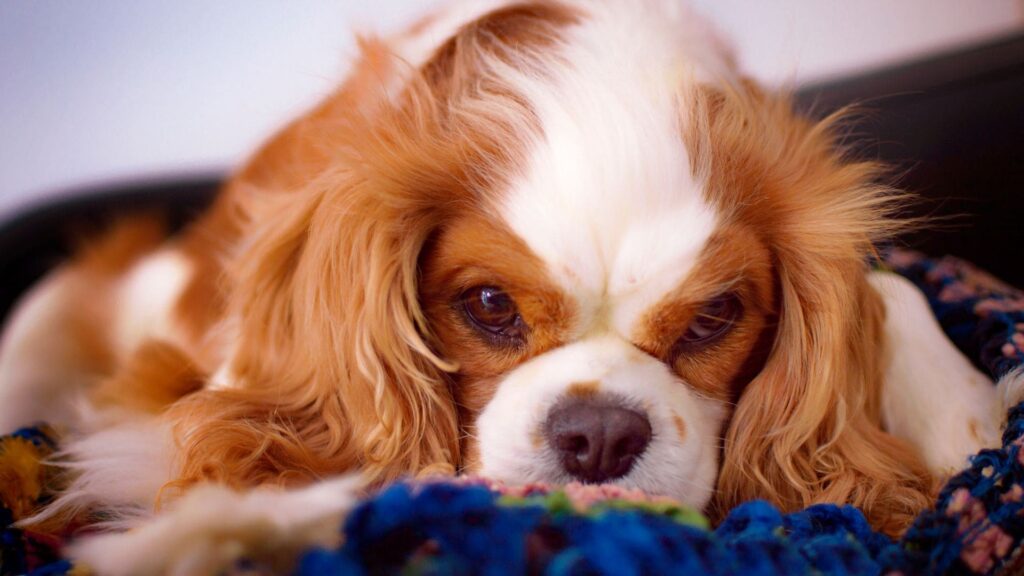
(568, 241)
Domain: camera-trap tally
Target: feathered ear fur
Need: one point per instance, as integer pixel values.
(807, 428)
(334, 368)
(331, 370)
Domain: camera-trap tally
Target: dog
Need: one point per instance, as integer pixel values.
(551, 241)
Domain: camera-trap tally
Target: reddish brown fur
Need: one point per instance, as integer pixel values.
(472, 251)
(587, 389)
(156, 375)
(680, 426)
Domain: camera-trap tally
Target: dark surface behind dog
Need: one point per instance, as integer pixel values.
(952, 126)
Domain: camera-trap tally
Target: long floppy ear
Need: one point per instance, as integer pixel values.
(807, 428)
(334, 368)
(331, 369)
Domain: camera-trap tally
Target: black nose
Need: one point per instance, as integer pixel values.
(597, 440)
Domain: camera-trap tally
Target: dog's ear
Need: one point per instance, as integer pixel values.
(807, 428)
(332, 369)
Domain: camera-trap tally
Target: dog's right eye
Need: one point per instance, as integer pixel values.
(493, 311)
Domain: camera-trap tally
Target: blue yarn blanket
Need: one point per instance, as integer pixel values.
(975, 527)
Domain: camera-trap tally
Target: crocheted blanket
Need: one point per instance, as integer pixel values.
(470, 526)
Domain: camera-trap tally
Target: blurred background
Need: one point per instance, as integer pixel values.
(105, 91)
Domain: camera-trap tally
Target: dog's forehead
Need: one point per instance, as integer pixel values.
(608, 197)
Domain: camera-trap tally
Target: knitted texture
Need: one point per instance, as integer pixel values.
(24, 485)
(447, 528)
(473, 527)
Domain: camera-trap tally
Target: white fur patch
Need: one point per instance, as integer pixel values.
(223, 378)
(1011, 388)
(608, 199)
(933, 396)
(146, 298)
(40, 359)
(212, 527)
(119, 467)
(684, 468)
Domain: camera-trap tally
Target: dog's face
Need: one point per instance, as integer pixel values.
(563, 241)
(617, 367)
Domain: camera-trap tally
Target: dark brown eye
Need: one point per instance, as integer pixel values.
(712, 321)
(490, 309)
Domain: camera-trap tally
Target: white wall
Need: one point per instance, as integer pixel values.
(817, 39)
(109, 90)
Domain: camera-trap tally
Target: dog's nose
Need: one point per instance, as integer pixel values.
(597, 441)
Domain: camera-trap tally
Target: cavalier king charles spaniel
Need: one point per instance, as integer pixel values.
(538, 241)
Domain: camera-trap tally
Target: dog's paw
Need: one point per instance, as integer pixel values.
(212, 527)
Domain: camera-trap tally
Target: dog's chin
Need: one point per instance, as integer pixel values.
(692, 486)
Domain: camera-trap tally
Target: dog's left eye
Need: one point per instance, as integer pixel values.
(712, 321)
(492, 310)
